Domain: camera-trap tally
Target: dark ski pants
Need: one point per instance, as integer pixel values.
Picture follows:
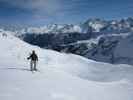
(33, 65)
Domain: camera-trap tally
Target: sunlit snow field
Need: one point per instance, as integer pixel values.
(60, 76)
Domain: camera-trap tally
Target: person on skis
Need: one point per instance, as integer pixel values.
(33, 61)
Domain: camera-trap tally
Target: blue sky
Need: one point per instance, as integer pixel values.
(41, 12)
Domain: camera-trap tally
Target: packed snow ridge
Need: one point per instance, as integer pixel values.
(60, 76)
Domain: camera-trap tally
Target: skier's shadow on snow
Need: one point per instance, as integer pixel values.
(13, 68)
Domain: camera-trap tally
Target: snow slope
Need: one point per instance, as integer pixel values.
(60, 76)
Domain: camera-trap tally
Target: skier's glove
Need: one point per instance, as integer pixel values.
(28, 58)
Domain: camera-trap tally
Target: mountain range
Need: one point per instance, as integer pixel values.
(93, 25)
(95, 39)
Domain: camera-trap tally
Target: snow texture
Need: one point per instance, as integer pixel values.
(60, 76)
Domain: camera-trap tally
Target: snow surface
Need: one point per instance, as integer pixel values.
(60, 76)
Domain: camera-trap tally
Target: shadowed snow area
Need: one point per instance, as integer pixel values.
(60, 76)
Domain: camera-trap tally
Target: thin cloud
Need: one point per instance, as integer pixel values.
(38, 6)
(62, 11)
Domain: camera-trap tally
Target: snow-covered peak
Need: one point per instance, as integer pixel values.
(96, 24)
(54, 28)
(91, 25)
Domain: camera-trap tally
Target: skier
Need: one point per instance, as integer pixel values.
(34, 58)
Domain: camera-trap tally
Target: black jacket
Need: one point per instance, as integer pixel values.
(33, 57)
